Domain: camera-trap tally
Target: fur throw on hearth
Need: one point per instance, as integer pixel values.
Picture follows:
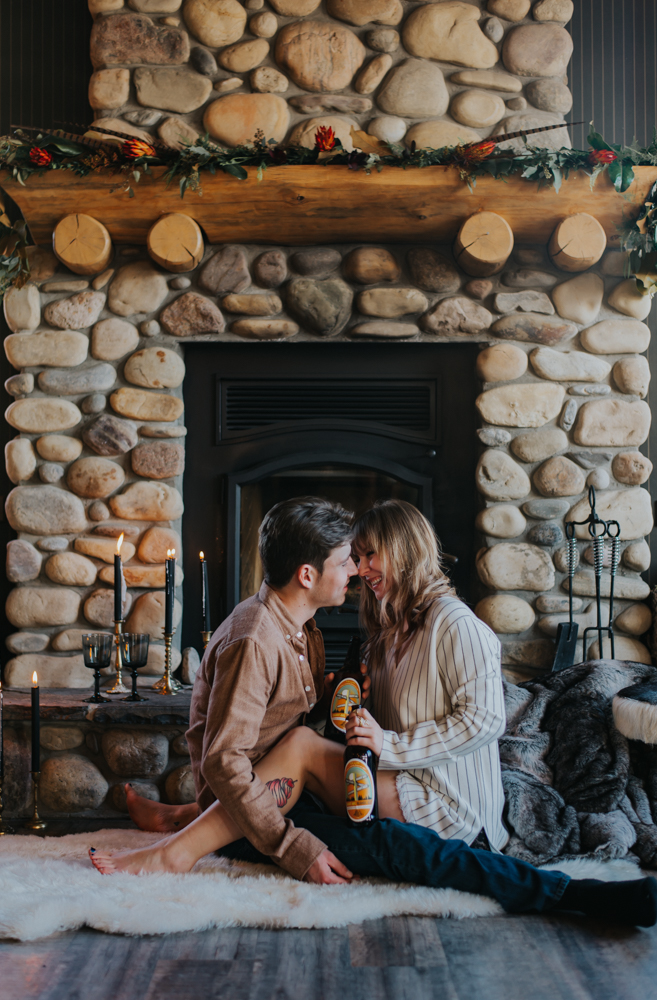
(574, 784)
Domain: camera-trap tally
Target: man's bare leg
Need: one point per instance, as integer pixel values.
(158, 817)
(301, 759)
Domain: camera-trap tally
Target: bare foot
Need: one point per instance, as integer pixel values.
(156, 817)
(160, 857)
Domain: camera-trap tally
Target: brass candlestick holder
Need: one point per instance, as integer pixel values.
(167, 684)
(4, 827)
(206, 636)
(118, 687)
(36, 823)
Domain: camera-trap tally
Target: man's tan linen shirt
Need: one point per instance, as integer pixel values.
(260, 675)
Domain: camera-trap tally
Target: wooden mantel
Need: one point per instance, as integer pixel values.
(297, 205)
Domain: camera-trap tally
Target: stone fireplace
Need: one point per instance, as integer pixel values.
(544, 358)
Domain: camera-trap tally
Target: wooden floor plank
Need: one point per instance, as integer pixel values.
(617, 963)
(428, 951)
(379, 943)
(291, 969)
(26, 969)
(511, 958)
(186, 979)
(404, 958)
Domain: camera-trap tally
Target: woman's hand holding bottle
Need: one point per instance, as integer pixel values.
(364, 731)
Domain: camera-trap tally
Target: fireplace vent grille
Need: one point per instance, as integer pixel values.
(405, 404)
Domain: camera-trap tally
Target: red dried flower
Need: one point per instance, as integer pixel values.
(324, 138)
(601, 156)
(40, 157)
(479, 150)
(134, 148)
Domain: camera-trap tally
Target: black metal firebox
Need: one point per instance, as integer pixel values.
(350, 422)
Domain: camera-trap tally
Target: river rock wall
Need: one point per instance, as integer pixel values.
(433, 73)
(99, 422)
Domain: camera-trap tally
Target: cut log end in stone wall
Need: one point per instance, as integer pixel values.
(577, 243)
(175, 242)
(82, 244)
(484, 244)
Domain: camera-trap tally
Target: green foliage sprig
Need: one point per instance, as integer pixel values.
(185, 166)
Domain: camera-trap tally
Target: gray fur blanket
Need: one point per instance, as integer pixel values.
(573, 784)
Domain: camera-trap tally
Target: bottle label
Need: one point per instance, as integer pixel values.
(345, 699)
(359, 790)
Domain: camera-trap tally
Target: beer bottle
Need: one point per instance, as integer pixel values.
(347, 694)
(360, 765)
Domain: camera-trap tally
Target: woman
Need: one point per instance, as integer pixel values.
(438, 710)
(438, 700)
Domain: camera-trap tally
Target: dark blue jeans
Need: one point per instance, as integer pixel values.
(406, 852)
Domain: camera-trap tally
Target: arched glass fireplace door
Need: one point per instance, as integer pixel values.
(351, 422)
(356, 481)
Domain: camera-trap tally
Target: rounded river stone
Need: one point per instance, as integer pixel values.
(146, 501)
(44, 510)
(23, 561)
(498, 477)
(516, 566)
(505, 614)
(28, 606)
(521, 405)
(109, 435)
(501, 521)
(94, 478)
(559, 477)
(548, 534)
(71, 784)
(135, 754)
(158, 460)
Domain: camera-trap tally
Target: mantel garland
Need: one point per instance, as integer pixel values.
(132, 158)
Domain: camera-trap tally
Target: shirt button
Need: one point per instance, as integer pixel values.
(299, 634)
(301, 657)
(311, 704)
(307, 688)
(288, 636)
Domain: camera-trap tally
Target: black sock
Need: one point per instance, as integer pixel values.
(633, 903)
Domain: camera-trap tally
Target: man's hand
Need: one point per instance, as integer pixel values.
(364, 731)
(327, 870)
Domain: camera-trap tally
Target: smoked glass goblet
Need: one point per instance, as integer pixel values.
(97, 652)
(134, 646)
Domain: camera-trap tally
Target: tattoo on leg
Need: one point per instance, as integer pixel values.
(281, 789)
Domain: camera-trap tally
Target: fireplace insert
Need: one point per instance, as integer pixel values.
(351, 422)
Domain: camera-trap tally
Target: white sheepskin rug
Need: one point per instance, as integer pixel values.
(49, 885)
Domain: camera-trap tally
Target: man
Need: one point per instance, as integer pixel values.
(261, 676)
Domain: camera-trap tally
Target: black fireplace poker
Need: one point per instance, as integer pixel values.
(567, 632)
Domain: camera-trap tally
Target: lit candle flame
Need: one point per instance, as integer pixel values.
(119, 543)
(35, 680)
(171, 553)
(201, 556)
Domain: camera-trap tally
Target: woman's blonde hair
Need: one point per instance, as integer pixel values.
(410, 556)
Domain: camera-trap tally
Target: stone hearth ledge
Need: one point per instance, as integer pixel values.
(64, 705)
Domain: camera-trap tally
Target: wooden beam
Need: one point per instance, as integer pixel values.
(314, 204)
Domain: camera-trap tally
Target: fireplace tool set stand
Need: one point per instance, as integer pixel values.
(567, 632)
